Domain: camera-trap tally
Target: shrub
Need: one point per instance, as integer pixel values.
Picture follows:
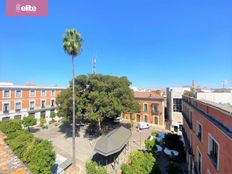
(53, 114)
(40, 157)
(154, 134)
(10, 126)
(93, 168)
(29, 121)
(173, 168)
(37, 154)
(20, 142)
(42, 121)
(149, 144)
(139, 163)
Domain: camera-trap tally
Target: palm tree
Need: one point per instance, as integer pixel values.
(72, 42)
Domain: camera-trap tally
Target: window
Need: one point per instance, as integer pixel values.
(6, 94)
(155, 120)
(52, 103)
(32, 105)
(199, 162)
(18, 93)
(32, 93)
(6, 108)
(177, 105)
(131, 116)
(155, 108)
(199, 130)
(213, 151)
(17, 106)
(145, 107)
(145, 118)
(43, 104)
(52, 92)
(43, 93)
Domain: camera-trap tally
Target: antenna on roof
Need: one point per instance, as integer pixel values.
(94, 65)
(224, 82)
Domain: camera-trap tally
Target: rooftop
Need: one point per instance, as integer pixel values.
(113, 142)
(9, 85)
(224, 107)
(146, 95)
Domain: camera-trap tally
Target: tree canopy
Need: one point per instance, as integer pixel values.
(93, 168)
(98, 97)
(139, 163)
(36, 154)
(72, 42)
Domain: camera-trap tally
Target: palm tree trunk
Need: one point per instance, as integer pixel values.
(74, 124)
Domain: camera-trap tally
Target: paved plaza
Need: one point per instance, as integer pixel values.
(61, 138)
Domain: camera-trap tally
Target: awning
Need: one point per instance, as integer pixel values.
(113, 142)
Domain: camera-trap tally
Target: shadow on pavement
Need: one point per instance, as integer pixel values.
(66, 128)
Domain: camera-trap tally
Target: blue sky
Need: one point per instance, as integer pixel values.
(155, 43)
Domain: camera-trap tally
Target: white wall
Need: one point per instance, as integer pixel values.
(217, 97)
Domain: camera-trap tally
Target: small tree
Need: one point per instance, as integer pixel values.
(29, 121)
(42, 121)
(149, 144)
(53, 115)
(93, 168)
(132, 123)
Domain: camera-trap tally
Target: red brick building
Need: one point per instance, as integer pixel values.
(18, 101)
(152, 109)
(207, 131)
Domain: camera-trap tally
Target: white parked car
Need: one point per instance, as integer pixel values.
(143, 125)
(118, 120)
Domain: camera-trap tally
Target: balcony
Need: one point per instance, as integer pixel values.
(32, 108)
(17, 110)
(6, 111)
(154, 112)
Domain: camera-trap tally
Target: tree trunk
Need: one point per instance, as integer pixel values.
(74, 124)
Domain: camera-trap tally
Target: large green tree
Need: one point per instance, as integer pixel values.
(99, 97)
(72, 44)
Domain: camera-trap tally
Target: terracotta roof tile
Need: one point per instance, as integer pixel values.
(138, 94)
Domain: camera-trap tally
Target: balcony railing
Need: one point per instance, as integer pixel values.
(32, 108)
(17, 110)
(153, 112)
(6, 111)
